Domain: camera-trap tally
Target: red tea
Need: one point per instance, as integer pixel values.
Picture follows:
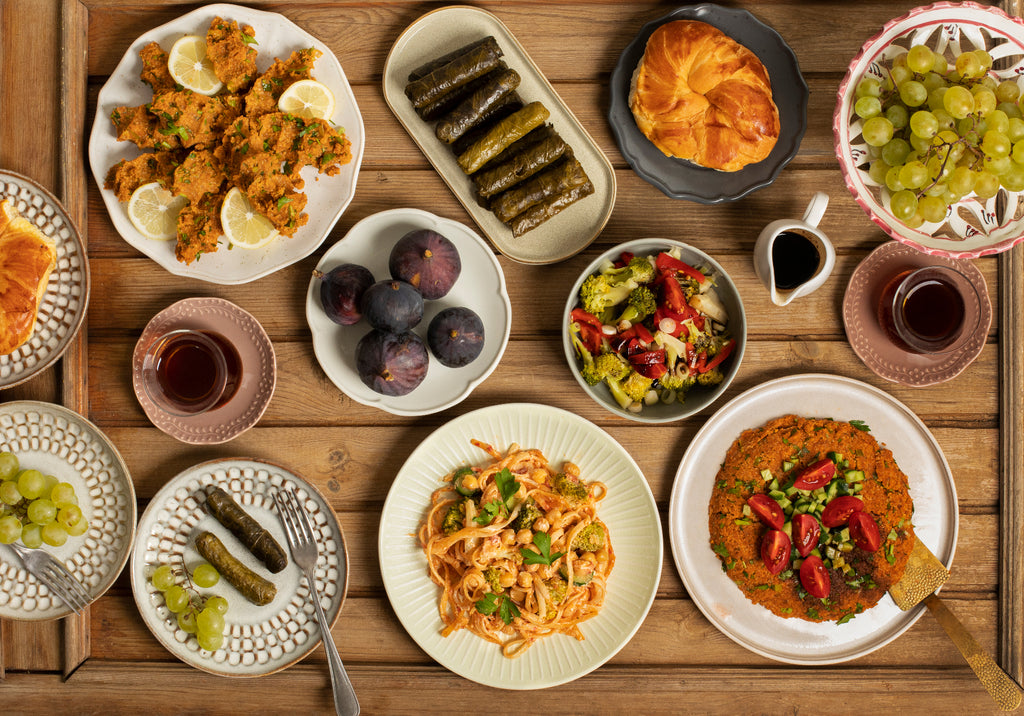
(196, 371)
(922, 310)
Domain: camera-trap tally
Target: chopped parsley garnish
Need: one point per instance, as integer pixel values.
(543, 542)
(500, 603)
(860, 425)
(507, 487)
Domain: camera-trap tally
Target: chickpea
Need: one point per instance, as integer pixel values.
(525, 580)
(554, 517)
(571, 469)
(508, 537)
(533, 568)
(507, 579)
(541, 524)
(471, 482)
(524, 536)
(588, 558)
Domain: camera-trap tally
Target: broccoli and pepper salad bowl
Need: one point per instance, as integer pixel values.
(654, 330)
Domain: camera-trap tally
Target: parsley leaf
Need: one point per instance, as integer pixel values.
(543, 542)
(507, 610)
(860, 425)
(488, 512)
(507, 487)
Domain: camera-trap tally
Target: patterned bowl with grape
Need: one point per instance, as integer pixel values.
(973, 225)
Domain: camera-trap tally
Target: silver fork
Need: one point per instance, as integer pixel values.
(304, 551)
(54, 575)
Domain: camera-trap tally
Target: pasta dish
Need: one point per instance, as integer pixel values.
(517, 549)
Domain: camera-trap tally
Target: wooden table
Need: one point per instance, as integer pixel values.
(55, 57)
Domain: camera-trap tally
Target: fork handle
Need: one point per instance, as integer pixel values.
(345, 701)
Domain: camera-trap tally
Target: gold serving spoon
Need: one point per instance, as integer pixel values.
(924, 574)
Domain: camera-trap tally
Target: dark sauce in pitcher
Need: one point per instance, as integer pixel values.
(795, 259)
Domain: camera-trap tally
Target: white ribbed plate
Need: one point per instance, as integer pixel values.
(62, 443)
(258, 640)
(629, 511)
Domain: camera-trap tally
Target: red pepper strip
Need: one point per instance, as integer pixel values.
(590, 337)
(721, 355)
(632, 347)
(673, 296)
(701, 365)
(666, 262)
(623, 260)
(652, 371)
(643, 334)
(648, 357)
(581, 316)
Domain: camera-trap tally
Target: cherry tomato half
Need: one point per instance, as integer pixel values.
(864, 531)
(814, 577)
(767, 510)
(775, 549)
(806, 531)
(838, 511)
(815, 475)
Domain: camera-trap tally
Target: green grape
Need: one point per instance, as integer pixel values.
(913, 175)
(924, 124)
(877, 170)
(10, 529)
(986, 60)
(79, 528)
(1015, 129)
(9, 493)
(938, 169)
(932, 208)
(940, 66)
(903, 204)
(962, 180)
(210, 621)
(1017, 155)
(187, 620)
(64, 493)
(933, 80)
(51, 482)
(920, 144)
(205, 575)
(32, 536)
(217, 603)
(901, 74)
(210, 642)
(53, 534)
(9, 465)
(898, 115)
(999, 121)
(162, 577)
(968, 65)
(920, 58)
(958, 101)
(868, 107)
(877, 131)
(868, 87)
(935, 189)
(42, 511)
(1013, 178)
(914, 221)
(69, 515)
(935, 98)
(31, 483)
(1007, 91)
(996, 165)
(945, 119)
(895, 151)
(913, 93)
(986, 185)
(1010, 109)
(892, 179)
(996, 144)
(948, 198)
(984, 100)
(176, 598)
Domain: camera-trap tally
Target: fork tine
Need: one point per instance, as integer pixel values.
(303, 518)
(54, 582)
(283, 507)
(71, 585)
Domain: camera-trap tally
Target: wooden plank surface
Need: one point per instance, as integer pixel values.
(677, 662)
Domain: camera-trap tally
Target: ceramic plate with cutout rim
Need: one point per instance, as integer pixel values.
(558, 238)
(259, 640)
(796, 641)
(328, 196)
(60, 442)
(480, 287)
(629, 511)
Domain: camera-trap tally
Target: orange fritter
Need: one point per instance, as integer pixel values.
(142, 127)
(199, 228)
(196, 119)
(234, 60)
(154, 69)
(269, 86)
(129, 174)
(198, 175)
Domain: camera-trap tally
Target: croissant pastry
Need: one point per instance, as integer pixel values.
(27, 257)
(697, 94)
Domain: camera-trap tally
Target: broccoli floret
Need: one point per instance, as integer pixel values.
(636, 386)
(570, 488)
(454, 518)
(599, 292)
(590, 538)
(642, 303)
(581, 575)
(611, 365)
(678, 380)
(711, 377)
(586, 358)
(615, 386)
(639, 269)
(691, 287)
(528, 514)
(557, 588)
(492, 576)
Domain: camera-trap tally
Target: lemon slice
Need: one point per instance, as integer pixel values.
(242, 225)
(190, 68)
(307, 99)
(154, 211)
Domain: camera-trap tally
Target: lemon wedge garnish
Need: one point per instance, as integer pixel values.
(154, 211)
(190, 67)
(242, 225)
(307, 99)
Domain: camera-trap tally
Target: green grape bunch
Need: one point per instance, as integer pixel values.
(37, 508)
(201, 616)
(938, 132)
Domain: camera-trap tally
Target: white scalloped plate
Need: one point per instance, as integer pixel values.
(62, 308)
(629, 511)
(259, 640)
(60, 442)
(277, 36)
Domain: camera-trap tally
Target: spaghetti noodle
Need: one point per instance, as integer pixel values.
(517, 549)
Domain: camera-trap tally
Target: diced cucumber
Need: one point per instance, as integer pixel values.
(787, 466)
(836, 457)
(787, 527)
(833, 489)
(766, 475)
(818, 493)
(773, 485)
(791, 490)
(785, 503)
(777, 494)
(747, 512)
(844, 534)
(854, 475)
(816, 552)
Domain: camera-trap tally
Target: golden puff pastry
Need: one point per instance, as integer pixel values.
(27, 257)
(697, 94)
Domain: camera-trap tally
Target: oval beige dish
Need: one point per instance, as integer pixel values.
(561, 236)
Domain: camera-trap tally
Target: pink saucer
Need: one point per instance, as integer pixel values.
(259, 372)
(873, 346)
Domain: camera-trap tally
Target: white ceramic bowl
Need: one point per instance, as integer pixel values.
(974, 228)
(697, 398)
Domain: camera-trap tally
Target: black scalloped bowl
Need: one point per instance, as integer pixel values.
(679, 178)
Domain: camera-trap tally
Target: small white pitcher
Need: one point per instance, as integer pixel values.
(808, 228)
